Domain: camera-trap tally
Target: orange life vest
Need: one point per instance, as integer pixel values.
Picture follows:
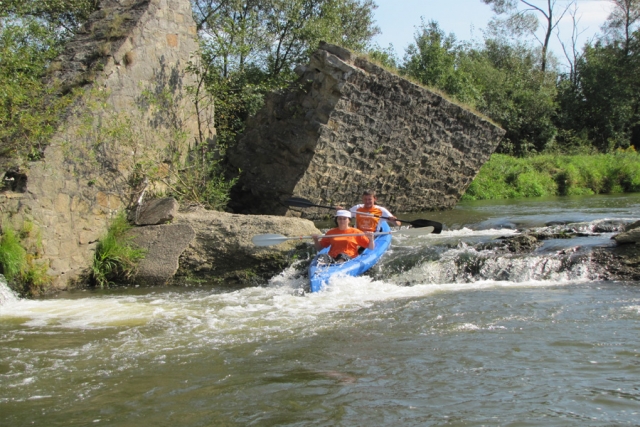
(344, 244)
(366, 222)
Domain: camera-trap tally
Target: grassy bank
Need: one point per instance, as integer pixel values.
(506, 177)
(116, 258)
(20, 260)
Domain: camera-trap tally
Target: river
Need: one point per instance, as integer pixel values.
(444, 332)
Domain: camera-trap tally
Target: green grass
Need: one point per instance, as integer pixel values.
(19, 260)
(115, 257)
(506, 177)
(13, 257)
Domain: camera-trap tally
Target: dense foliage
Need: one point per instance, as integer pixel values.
(592, 108)
(32, 34)
(19, 260)
(504, 177)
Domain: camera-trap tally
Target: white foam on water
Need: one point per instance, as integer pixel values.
(464, 264)
(451, 235)
(275, 307)
(467, 232)
(82, 313)
(7, 296)
(635, 309)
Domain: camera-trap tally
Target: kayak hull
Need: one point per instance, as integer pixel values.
(319, 274)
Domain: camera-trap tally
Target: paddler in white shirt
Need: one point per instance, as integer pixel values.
(364, 212)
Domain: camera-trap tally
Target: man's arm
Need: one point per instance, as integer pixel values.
(389, 216)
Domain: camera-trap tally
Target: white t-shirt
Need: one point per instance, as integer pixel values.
(370, 223)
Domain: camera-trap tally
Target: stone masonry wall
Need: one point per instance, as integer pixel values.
(128, 62)
(349, 125)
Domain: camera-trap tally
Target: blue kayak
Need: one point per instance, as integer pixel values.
(319, 274)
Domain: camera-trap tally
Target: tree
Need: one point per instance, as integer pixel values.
(622, 21)
(63, 16)
(602, 101)
(433, 60)
(521, 19)
(232, 31)
(251, 47)
(275, 35)
(32, 33)
(385, 56)
(514, 93)
(609, 93)
(571, 51)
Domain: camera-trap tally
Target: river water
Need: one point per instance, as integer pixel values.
(443, 332)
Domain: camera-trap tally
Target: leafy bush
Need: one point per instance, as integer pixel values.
(504, 177)
(12, 255)
(116, 258)
(32, 35)
(19, 253)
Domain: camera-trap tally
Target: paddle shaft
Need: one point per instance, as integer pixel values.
(274, 239)
(330, 236)
(304, 203)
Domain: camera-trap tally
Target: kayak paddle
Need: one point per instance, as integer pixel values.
(299, 202)
(276, 239)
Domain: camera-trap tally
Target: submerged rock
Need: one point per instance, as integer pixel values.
(630, 235)
(621, 263)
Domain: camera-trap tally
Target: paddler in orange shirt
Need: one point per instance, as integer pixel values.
(343, 248)
(363, 212)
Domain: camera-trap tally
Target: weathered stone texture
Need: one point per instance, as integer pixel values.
(223, 252)
(129, 53)
(163, 244)
(351, 126)
(630, 235)
(157, 211)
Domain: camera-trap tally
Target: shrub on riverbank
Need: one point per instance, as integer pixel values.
(116, 258)
(506, 177)
(12, 254)
(19, 260)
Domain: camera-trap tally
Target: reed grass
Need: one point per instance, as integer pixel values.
(116, 258)
(13, 257)
(20, 262)
(506, 177)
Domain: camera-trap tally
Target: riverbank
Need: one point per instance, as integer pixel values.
(507, 177)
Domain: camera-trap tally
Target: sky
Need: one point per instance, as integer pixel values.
(398, 20)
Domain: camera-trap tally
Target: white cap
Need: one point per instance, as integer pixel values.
(343, 212)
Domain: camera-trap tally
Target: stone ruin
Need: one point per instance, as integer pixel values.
(349, 125)
(128, 63)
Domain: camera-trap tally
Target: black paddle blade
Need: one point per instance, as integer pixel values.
(419, 223)
(298, 202)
